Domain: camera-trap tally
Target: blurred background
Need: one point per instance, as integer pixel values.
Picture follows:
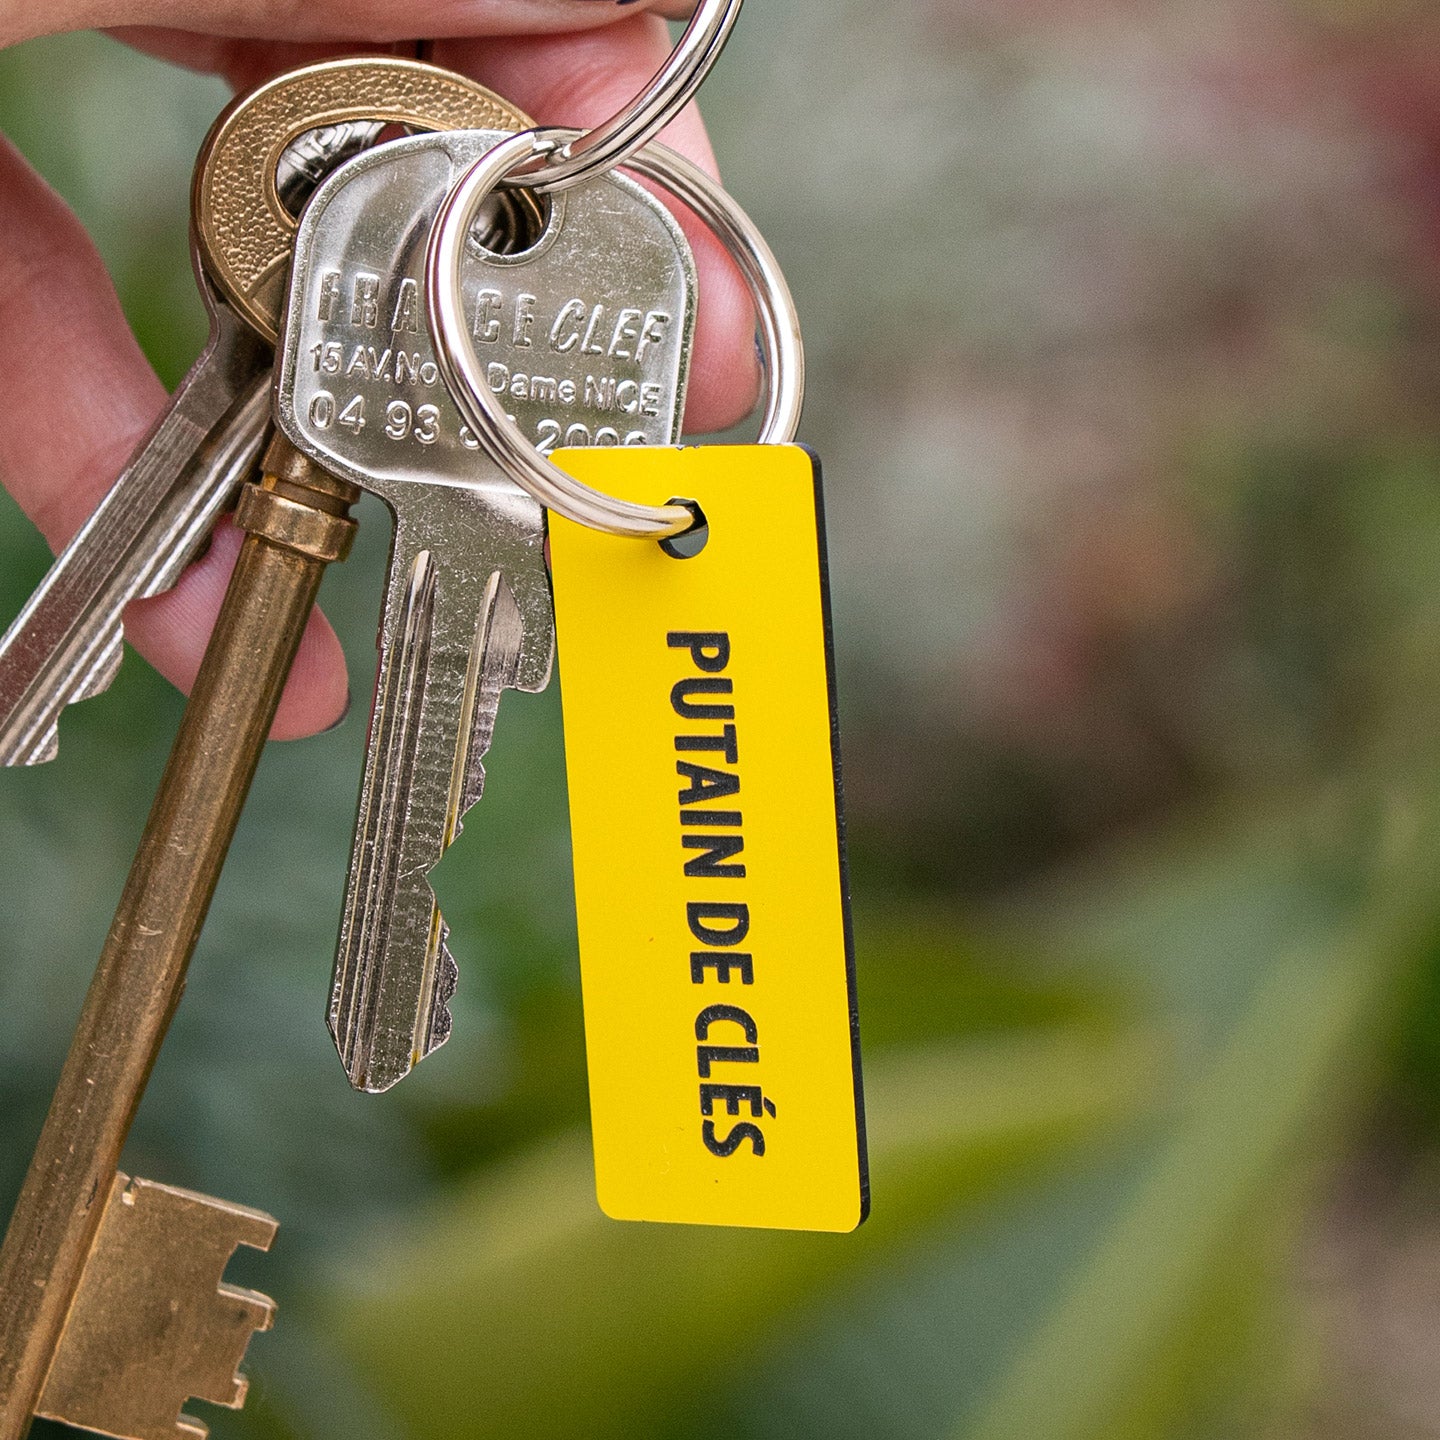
(1122, 321)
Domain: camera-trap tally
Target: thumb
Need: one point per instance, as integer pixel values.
(366, 21)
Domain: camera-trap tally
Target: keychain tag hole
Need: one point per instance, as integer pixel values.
(688, 543)
(512, 224)
(309, 158)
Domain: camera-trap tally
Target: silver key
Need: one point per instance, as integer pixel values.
(588, 333)
(66, 643)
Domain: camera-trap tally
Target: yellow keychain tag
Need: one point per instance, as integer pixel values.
(701, 752)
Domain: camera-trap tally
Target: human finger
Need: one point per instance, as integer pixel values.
(71, 424)
(365, 21)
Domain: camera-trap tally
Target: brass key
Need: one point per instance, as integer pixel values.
(112, 1310)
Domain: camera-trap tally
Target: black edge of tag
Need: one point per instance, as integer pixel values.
(827, 624)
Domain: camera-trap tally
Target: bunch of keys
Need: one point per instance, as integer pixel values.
(469, 323)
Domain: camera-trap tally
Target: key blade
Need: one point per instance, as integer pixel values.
(361, 983)
(394, 974)
(66, 644)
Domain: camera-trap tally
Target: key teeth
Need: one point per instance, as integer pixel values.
(471, 795)
(91, 682)
(367, 1071)
(46, 750)
(447, 979)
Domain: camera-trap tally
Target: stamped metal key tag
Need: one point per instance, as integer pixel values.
(703, 766)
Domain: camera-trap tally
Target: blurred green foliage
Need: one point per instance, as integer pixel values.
(1131, 458)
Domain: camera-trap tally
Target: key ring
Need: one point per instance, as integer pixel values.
(590, 153)
(782, 353)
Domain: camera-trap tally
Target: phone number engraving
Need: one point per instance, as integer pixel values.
(401, 422)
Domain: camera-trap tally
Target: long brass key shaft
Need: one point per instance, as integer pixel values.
(297, 519)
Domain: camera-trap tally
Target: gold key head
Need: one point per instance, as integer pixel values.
(153, 1322)
(242, 229)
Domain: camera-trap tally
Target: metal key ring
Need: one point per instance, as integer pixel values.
(782, 353)
(590, 153)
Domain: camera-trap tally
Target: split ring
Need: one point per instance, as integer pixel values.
(782, 354)
(587, 155)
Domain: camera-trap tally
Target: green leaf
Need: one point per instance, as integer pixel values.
(1170, 1318)
(524, 1311)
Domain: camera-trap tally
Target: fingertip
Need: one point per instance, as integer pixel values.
(317, 694)
(725, 367)
(172, 631)
(73, 414)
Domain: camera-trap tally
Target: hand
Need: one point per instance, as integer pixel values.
(566, 62)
